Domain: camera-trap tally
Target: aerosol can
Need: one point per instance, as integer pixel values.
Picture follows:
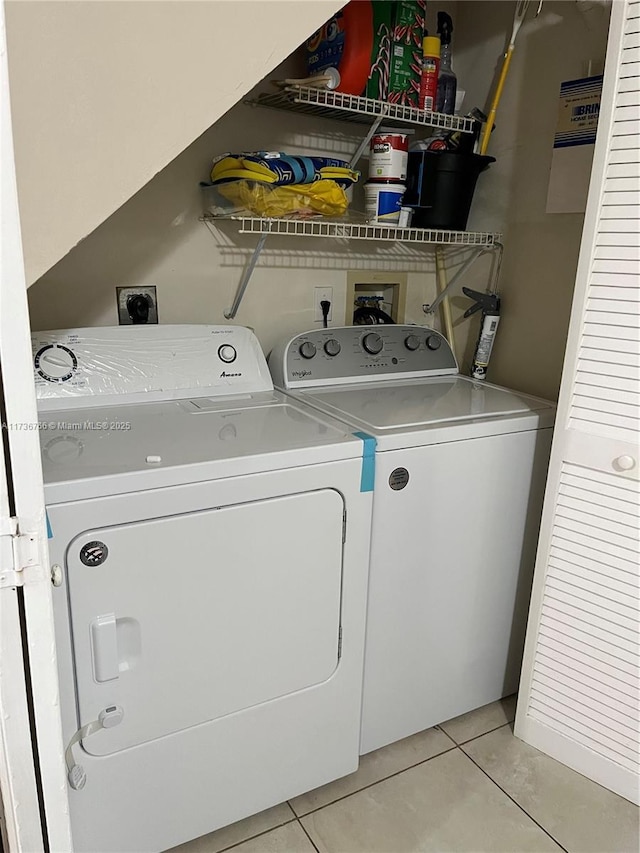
(489, 303)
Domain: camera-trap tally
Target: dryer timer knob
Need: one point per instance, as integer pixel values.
(227, 353)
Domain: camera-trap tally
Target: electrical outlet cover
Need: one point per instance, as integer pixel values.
(123, 295)
(319, 294)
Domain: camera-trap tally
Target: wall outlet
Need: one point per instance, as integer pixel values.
(320, 293)
(137, 305)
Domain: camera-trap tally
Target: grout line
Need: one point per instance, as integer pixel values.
(304, 829)
(514, 801)
(488, 732)
(440, 729)
(378, 781)
(258, 834)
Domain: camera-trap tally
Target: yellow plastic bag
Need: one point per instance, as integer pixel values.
(322, 197)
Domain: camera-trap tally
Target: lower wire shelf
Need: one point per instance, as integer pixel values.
(337, 229)
(262, 227)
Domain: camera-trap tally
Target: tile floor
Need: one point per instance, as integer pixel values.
(467, 785)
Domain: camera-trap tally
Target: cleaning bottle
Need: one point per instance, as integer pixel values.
(447, 83)
(430, 69)
(489, 304)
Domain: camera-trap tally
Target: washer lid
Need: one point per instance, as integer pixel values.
(422, 403)
(122, 448)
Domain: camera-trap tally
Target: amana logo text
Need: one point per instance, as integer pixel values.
(225, 375)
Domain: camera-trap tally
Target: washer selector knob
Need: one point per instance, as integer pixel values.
(412, 342)
(227, 353)
(332, 347)
(434, 342)
(372, 343)
(307, 349)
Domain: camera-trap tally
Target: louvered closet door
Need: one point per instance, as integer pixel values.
(580, 688)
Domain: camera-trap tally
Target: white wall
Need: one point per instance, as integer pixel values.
(105, 94)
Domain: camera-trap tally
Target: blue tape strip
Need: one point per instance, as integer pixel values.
(368, 461)
(49, 530)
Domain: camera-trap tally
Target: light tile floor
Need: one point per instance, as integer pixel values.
(467, 785)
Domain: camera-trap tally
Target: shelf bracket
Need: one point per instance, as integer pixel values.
(473, 257)
(365, 142)
(246, 277)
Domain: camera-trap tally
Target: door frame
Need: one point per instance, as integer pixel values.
(32, 768)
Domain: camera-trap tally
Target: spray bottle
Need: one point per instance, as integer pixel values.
(447, 82)
(490, 305)
(430, 72)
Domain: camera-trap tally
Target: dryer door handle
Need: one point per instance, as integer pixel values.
(104, 648)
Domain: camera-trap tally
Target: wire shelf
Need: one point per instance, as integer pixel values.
(355, 231)
(336, 105)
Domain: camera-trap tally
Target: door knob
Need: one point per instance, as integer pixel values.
(624, 463)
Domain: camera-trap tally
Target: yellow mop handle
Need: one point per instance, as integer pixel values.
(496, 99)
(447, 319)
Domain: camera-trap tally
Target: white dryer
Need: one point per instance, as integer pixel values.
(459, 479)
(209, 538)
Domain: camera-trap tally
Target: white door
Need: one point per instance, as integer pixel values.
(184, 619)
(579, 691)
(32, 776)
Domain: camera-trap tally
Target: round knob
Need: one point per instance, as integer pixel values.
(412, 342)
(55, 363)
(63, 449)
(227, 353)
(307, 349)
(434, 342)
(332, 347)
(372, 343)
(624, 463)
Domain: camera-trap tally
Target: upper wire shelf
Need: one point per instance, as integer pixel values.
(355, 231)
(336, 105)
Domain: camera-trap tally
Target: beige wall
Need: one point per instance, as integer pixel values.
(541, 250)
(155, 237)
(105, 94)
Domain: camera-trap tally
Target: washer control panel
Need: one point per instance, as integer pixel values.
(361, 353)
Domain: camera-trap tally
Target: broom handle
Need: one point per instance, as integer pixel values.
(496, 99)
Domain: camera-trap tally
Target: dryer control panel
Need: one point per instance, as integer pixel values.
(361, 354)
(129, 364)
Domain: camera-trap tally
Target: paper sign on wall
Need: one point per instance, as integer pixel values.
(578, 112)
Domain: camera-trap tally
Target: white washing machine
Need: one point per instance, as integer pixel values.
(459, 479)
(210, 544)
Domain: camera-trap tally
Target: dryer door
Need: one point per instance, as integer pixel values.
(183, 619)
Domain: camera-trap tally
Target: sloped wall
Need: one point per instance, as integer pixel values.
(105, 94)
(155, 238)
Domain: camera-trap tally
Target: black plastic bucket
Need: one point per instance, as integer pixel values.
(440, 187)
